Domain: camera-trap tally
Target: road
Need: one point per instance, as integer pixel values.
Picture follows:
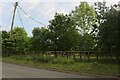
(16, 71)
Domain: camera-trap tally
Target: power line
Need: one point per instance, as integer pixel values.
(19, 0)
(30, 16)
(20, 17)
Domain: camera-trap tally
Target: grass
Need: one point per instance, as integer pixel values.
(64, 64)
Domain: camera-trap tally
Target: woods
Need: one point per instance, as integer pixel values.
(86, 28)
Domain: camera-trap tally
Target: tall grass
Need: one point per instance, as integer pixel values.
(102, 66)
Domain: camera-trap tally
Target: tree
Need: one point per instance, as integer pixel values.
(109, 32)
(40, 39)
(101, 10)
(20, 38)
(5, 37)
(84, 16)
(64, 35)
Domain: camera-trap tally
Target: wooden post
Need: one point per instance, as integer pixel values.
(88, 55)
(74, 55)
(97, 55)
(67, 54)
(80, 55)
(16, 3)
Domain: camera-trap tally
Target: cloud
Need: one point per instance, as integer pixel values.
(48, 9)
(29, 5)
(42, 10)
(63, 11)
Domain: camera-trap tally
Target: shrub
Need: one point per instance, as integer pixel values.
(62, 60)
(40, 58)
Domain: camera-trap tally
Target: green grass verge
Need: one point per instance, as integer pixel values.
(64, 64)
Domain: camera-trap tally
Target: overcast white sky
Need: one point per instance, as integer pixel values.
(41, 10)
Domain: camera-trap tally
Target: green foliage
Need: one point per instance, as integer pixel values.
(40, 58)
(40, 39)
(63, 60)
(84, 17)
(109, 32)
(17, 42)
(88, 42)
(64, 64)
(101, 10)
(5, 35)
(19, 35)
(64, 35)
(86, 28)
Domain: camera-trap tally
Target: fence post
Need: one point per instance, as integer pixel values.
(80, 55)
(55, 53)
(97, 56)
(88, 55)
(74, 55)
(67, 54)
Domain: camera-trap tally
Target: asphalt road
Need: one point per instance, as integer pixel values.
(16, 71)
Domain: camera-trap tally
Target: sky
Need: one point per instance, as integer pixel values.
(41, 10)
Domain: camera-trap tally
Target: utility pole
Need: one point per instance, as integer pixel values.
(10, 41)
(15, 6)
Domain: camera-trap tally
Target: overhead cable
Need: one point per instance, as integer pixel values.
(31, 16)
(20, 18)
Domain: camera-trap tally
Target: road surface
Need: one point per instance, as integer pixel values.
(16, 71)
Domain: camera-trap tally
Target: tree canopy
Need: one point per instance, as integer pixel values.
(86, 28)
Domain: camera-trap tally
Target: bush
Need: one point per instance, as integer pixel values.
(62, 60)
(18, 57)
(40, 58)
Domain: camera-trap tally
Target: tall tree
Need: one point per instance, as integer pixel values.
(19, 35)
(64, 35)
(84, 16)
(101, 10)
(40, 39)
(109, 32)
